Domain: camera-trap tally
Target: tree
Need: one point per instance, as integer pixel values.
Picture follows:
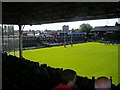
(76, 30)
(85, 27)
(116, 24)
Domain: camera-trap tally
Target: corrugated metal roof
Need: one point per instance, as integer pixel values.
(48, 35)
(106, 28)
(77, 33)
(32, 13)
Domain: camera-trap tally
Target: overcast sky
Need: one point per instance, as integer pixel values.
(74, 25)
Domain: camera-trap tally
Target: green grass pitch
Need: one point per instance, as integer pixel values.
(87, 59)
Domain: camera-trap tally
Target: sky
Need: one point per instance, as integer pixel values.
(74, 25)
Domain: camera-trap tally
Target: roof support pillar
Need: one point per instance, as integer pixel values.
(20, 41)
(2, 39)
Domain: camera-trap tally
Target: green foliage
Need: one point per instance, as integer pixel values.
(85, 27)
(76, 30)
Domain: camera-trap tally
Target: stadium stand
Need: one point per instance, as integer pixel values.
(106, 34)
(118, 86)
(20, 74)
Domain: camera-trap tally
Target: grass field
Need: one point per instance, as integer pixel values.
(87, 59)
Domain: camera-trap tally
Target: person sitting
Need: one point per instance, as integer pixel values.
(68, 80)
(102, 83)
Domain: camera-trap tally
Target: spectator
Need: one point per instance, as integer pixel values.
(102, 83)
(68, 80)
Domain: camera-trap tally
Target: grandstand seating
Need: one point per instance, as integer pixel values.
(20, 74)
